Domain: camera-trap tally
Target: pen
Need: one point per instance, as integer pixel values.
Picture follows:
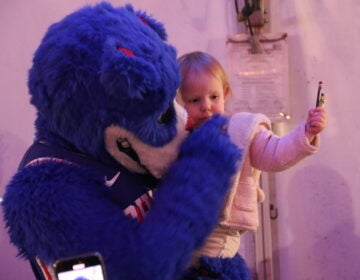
(320, 99)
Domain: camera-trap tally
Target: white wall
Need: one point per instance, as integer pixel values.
(318, 200)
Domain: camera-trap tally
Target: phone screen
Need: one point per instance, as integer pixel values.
(85, 267)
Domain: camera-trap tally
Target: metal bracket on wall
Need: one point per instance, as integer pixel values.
(273, 212)
(254, 14)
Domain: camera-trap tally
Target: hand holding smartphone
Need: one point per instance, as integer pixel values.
(83, 267)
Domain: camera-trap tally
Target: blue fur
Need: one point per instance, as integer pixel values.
(87, 61)
(224, 269)
(80, 84)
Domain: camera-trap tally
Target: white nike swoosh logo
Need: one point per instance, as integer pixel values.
(111, 181)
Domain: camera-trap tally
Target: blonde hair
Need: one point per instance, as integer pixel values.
(201, 61)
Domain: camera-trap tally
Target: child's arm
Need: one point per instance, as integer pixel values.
(270, 152)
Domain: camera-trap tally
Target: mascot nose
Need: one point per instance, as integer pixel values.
(165, 117)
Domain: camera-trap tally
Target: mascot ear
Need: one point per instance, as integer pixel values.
(153, 24)
(125, 73)
(158, 27)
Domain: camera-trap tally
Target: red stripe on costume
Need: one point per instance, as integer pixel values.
(44, 269)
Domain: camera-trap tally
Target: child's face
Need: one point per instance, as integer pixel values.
(203, 95)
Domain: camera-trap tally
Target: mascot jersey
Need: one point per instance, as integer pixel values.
(135, 200)
(107, 132)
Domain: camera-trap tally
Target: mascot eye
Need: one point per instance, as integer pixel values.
(165, 117)
(126, 51)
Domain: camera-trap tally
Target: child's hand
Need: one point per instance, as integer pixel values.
(316, 122)
(190, 124)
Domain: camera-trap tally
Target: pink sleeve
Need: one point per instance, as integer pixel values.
(269, 152)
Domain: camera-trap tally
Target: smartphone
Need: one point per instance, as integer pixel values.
(84, 267)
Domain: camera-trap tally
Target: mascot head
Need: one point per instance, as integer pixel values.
(103, 82)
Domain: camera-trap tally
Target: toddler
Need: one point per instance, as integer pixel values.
(203, 90)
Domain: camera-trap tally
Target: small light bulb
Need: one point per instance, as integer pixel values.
(286, 116)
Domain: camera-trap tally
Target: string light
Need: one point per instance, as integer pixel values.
(286, 116)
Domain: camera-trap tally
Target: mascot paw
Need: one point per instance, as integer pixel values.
(209, 148)
(212, 142)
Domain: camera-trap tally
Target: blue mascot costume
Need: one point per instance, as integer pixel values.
(112, 169)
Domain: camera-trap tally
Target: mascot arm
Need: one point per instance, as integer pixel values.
(187, 204)
(55, 209)
(73, 214)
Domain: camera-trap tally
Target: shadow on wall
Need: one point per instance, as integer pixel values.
(320, 223)
(12, 149)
